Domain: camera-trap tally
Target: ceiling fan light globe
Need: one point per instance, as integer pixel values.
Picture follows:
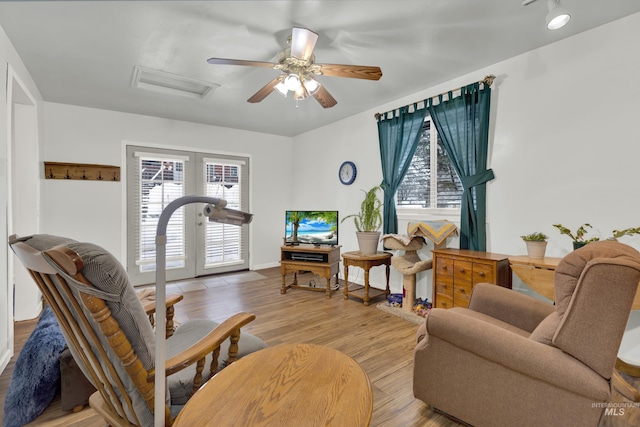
(311, 85)
(292, 82)
(300, 94)
(281, 88)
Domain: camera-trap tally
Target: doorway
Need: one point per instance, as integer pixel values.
(195, 246)
(20, 298)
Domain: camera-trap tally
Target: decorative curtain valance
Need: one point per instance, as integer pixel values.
(436, 99)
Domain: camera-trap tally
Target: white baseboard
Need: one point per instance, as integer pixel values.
(264, 266)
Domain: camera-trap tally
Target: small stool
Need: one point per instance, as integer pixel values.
(365, 262)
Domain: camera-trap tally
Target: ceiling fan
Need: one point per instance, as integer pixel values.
(297, 63)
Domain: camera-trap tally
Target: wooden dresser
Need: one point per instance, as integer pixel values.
(456, 271)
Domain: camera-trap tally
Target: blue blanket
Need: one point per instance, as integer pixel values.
(36, 375)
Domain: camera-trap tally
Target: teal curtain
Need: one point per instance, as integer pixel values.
(463, 125)
(398, 133)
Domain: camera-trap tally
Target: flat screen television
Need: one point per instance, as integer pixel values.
(311, 227)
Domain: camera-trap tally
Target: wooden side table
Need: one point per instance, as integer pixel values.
(537, 273)
(289, 384)
(356, 259)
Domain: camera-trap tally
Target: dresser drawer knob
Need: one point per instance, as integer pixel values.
(481, 274)
(462, 270)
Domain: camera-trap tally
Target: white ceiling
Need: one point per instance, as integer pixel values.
(84, 52)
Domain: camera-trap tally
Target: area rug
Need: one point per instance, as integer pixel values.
(397, 311)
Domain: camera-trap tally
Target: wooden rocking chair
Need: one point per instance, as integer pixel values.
(109, 334)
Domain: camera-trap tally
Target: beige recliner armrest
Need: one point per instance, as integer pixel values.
(520, 310)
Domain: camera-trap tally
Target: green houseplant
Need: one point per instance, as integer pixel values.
(536, 244)
(626, 232)
(580, 240)
(535, 237)
(368, 222)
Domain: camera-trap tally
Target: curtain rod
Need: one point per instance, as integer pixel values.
(488, 80)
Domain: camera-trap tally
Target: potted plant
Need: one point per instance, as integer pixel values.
(368, 222)
(536, 244)
(626, 232)
(578, 238)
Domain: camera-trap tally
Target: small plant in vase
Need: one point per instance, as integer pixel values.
(579, 239)
(536, 244)
(368, 221)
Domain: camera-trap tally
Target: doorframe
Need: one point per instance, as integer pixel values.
(21, 96)
(123, 155)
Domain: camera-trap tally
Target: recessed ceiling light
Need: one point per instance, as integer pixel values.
(172, 84)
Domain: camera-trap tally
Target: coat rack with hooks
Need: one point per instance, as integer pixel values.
(81, 171)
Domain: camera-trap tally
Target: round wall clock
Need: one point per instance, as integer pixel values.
(347, 173)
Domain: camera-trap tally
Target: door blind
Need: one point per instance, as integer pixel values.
(224, 243)
(160, 180)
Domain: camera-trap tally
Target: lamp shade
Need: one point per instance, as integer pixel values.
(281, 88)
(311, 85)
(300, 93)
(292, 82)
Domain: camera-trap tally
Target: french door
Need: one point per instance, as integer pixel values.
(195, 246)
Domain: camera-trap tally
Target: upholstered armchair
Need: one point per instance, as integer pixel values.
(510, 359)
(109, 334)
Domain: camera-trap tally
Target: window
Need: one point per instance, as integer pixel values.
(422, 189)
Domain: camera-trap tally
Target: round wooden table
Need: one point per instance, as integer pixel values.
(286, 385)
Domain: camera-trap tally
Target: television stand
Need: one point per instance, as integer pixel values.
(323, 261)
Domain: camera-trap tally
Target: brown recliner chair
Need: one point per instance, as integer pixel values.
(510, 359)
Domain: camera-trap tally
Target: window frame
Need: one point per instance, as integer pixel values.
(419, 213)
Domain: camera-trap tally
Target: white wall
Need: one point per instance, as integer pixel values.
(95, 211)
(564, 145)
(563, 149)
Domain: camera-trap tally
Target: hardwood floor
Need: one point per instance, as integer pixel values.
(380, 342)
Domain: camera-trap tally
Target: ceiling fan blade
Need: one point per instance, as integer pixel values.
(351, 71)
(265, 91)
(302, 43)
(223, 61)
(324, 98)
